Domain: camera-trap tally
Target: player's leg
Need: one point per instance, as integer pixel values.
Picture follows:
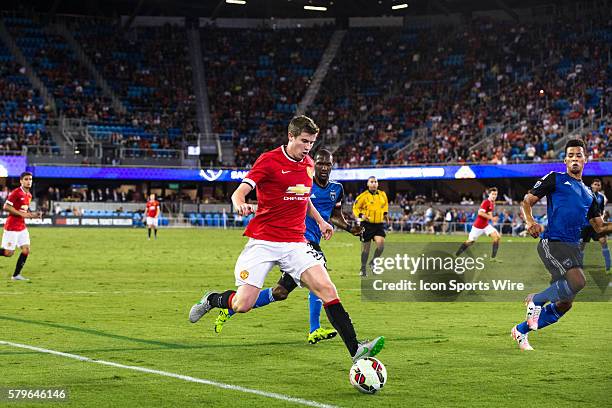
(605, 251)
(365, 254)
(316, 332)
(494, 234)
(23, 257)
(9, 243)
(252, 266)
(155, 224)
(280, 292)
(464, 246)
(318, 281)
(472, 237)
(149, 225)
(380, 247)
(568, 280)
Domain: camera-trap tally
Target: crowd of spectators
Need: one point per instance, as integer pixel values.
(255, 80)
(435, 91)
(485, 91)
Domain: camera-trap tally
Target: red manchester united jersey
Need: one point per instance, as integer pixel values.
(283, 188)
(19, 200)
(152, 207)
(487, 206)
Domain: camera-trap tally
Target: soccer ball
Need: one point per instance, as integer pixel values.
(368, 375)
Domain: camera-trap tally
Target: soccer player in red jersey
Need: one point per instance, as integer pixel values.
(15, 232)
(283, 179)
(482, 226)
(152, 215)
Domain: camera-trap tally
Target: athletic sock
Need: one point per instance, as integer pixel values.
(550, 314)
(559, 290)
(341, 321)
(378, 252)
(265, 298)
(314, 304)
(20, 262)
(364, 259)
(149, 232)
(605, 251)
(462, 248)
(495, 248)
(155, 233)
(221, 300)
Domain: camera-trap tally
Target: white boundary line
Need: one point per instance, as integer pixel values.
(266, 394)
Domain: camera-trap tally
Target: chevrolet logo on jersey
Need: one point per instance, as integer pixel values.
(299, 190)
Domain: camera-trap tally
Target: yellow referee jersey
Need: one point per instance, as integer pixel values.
(371, 207)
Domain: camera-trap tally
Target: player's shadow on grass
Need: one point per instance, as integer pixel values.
(176, 346)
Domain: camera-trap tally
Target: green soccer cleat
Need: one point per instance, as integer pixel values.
(321, 334)
(221, 319)
(369, 348)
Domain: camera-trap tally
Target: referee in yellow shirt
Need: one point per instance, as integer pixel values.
(372, 208)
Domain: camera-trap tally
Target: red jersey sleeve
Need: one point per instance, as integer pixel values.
(13, 198)
(486, 205)
(257, 172)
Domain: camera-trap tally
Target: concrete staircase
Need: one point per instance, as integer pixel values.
(209, 143)
(317, 79)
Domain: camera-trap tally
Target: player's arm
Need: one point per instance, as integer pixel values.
(339, 221)
(486, 214)
(385, 208)
(239, 199)
(544, 186)
(358, 207)
(12, 210)
(596, 221)
(326, 230)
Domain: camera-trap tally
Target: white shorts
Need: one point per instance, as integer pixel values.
(152, 221)
(259, 257)
(476, 232)
(12, 239)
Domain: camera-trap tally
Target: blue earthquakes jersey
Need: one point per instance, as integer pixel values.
(324, 199)
(569, 204)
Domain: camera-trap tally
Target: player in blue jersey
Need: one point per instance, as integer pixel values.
(569, 203)
(588, 233)
(326, 196)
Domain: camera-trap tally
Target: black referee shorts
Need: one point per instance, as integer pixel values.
(371, 230)
(559, 257)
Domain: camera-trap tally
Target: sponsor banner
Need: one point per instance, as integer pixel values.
(12, 166)
(77, 221)
(477, 171)
(32, 221)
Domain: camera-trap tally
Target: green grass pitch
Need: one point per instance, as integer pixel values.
(112, 295)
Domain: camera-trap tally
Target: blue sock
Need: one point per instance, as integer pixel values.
(549, 315)
(314, 304)
(557, 291)
(265, 298)
(605, 251)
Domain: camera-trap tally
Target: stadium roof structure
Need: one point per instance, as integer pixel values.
(271, 8)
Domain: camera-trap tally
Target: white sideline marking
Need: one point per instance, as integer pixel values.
(173, 375)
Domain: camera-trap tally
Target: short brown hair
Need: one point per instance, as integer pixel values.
(491, 189)
(24, 174)
(301, 124)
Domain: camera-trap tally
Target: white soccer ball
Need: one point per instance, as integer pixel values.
(368, 375)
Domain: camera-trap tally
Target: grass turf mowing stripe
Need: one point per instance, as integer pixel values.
(266, 394)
